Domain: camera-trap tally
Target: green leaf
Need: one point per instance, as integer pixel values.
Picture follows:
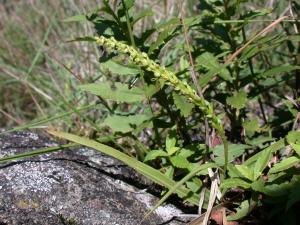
(241, 211)
(235, 150)
(162, 38)
(155, 154)
(172, 150)
(118, 92)
(185, 152)
(141, 15)
(279, 69)
(119, 69)
(181, 182)
(238, 100)
(245, 171)
(151, 90)
(124, 124)
(194, 185)
(258, 185)
(293, 137)
(296, 148)
(234, 182)
(261, 164)
(182, 104)
(284, 164)
(179, 161)
(273, 148)
(211, 63)
(251, 126)
(151, 173)
(171, 142)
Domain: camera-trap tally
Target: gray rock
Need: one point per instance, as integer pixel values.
(76, 186)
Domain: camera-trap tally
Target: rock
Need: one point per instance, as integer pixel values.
(75, 186)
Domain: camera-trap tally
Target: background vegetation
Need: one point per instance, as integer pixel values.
(212, 73)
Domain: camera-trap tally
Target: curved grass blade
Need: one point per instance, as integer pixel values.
(36, 152)
(144, 169)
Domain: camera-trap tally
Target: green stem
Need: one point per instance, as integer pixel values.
(129, 25)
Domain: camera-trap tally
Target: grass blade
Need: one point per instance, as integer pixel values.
(144, 169)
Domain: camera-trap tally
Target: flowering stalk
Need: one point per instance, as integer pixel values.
(168, 77)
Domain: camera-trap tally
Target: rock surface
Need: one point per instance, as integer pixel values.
(76, 186)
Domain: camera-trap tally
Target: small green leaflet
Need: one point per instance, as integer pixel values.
(117, 92)
(154, 154)
(124, 124)
(238, 100)
(251, 126)
(179, 161)
(211, 63)
(182, 104)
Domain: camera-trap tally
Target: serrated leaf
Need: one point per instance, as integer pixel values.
(185, 152)
(275, 190)
(284, 164)
(124, 124)
(182, 104)
(241, 211)
(211, 63)
(171, 140)
(172, 150)
(261, 164)
(234, 182)
(251, 126)
(119, 69)
(155, 154)
(117, 92)
(238, 100)
(179, 161)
